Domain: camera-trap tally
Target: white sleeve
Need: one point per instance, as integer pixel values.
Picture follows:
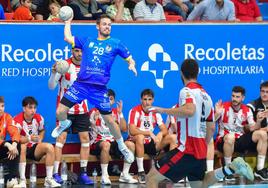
(53, 80)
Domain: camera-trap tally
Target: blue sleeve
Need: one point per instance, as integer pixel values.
(79, 42)
(123, 51)
(198, 11)
(2, 14)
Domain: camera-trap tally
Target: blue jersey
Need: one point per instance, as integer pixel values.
(98, 57)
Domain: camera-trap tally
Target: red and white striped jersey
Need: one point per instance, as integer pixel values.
(144, 121)
(232, 121)
(192, 134)
(99, 130)
(29, 128)
(65, 81)
(171, 120)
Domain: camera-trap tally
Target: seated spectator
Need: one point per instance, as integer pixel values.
(118, 12)
(234, 118)
(23, 12)
(103, 4)
(149, 10)
(247, 10)
(2, 13)
(32, 133)
(9, 150)
(213, 10)
(181, 7)
(85, 9)
(16, 3)
(54, 8)
(104, 144)
(42, 10)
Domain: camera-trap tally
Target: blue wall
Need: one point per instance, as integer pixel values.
(229, 54)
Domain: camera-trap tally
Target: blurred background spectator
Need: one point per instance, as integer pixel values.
(2, 13)
(180, 7)
(247, 10)
(213, 10)
(85, 9)
(118, 12)
(149, 10)
(23, 12)
(54, 8)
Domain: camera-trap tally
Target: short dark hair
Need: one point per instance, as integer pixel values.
(147, 92)
(190, 69)
(2, 100)
(111, 93)
(239, 89)
(264, 84)
(29, 100)
(101, 17)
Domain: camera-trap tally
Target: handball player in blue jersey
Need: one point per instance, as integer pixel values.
(97, 59)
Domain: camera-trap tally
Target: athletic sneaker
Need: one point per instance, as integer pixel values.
(84, 179)
(128, 155)
(50, 182)
(142, 177)
(127, 178)
(59, 129)
(229, 178)
(262, 174)
(22, 184)
(13, 182)
(105, 180)
(242, 168)
(57, 178)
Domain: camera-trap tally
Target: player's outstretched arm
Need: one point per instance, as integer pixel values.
(67, 32)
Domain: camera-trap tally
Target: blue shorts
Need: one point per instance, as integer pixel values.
(97, 95)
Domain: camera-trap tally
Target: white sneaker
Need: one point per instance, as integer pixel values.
(127, 178)
(128, 155)
(105, 180)
(13, 182)
(22, 184)
(50, 182)
(59, 129)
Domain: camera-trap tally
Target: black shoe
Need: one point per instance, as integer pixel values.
(262, 174)
(229, 178)
(142, 177)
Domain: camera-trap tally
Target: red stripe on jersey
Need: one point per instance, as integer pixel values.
(211, 116)
(67, 76)
(189, 100)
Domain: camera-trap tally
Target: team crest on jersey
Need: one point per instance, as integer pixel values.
(91, 44)
(108, 48)
(188, 95)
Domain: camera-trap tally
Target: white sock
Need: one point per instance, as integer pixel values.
(210, 165)
(120, 143)
(227, 160)
(49, 170)
(126, 168)
(140, 164)
(56, 167)
(83, 163)
(22, 168)
(260, 162)
(104, 169)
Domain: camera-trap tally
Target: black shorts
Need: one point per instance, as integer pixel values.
(80, 123)
(242, 144)
(114, 151)
(30, 153)
(150, 148)
(176, 165)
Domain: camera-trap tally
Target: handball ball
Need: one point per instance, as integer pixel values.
(66, 13)
(62, 66)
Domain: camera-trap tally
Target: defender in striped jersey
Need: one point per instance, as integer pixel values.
(77, 114)
(195, 117)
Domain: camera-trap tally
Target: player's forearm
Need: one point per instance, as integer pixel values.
(52, 81)
(182, 111)
(133, 130)
(67, 33)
